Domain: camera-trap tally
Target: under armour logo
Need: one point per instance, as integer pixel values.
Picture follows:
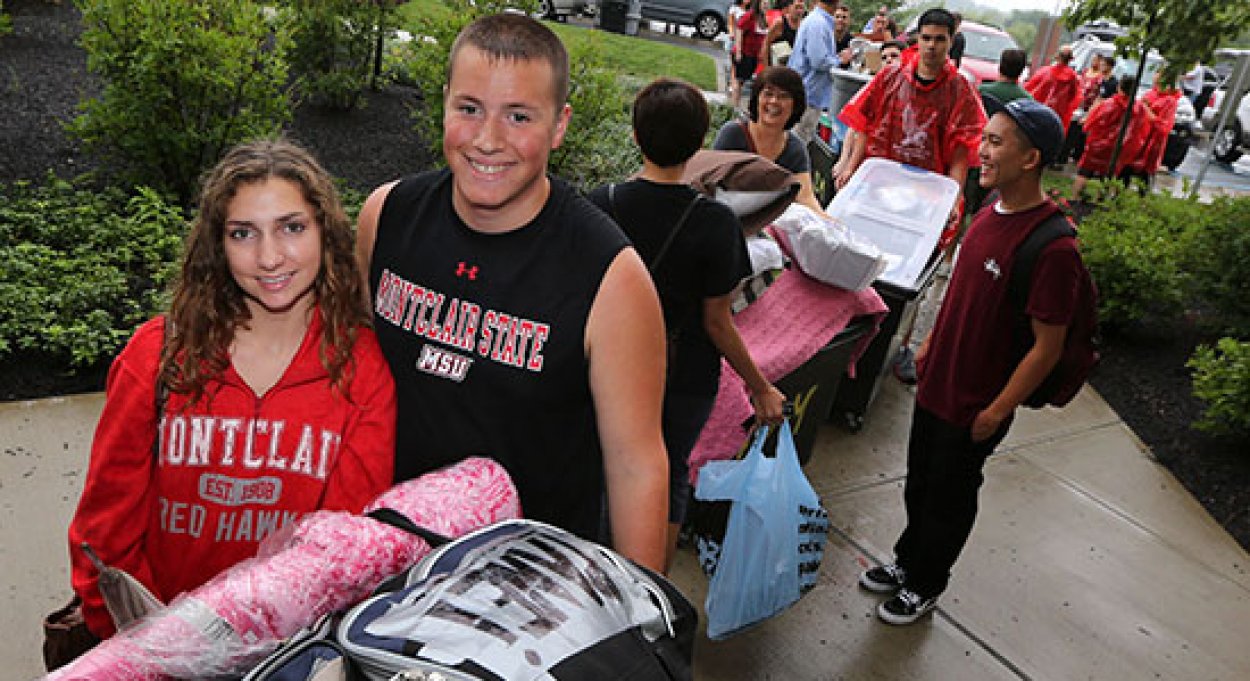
(462, 270)
(991, 266)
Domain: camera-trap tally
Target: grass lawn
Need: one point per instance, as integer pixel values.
(637, 59)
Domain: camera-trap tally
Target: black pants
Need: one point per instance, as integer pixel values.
(943, 479)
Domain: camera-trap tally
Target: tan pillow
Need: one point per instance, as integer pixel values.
(714, 172)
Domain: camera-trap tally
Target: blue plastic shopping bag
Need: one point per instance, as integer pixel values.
(774, 540)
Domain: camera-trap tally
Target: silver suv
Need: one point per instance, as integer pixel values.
(707, 16)
(562, 9)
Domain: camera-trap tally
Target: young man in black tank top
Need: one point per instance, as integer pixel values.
(518, 322)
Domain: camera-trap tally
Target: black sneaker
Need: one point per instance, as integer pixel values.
(885, 579)
(906, 607)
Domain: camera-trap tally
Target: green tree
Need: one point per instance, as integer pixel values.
(1182, 31)
(337, 47)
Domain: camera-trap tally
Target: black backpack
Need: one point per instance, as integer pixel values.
(1080, 348)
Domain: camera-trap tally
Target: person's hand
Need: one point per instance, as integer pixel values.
(769, 405)
(842, 177)
(986, 424)
(844, 57)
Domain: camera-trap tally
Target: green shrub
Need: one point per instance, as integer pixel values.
(1131, 245)
(334, 45)
(1216, 253)
(183, 82)
(6, 23)
(81, 268)
(1222, 381)
(598, 146)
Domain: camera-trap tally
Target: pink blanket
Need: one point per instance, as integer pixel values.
(796, 317)
(331, 560)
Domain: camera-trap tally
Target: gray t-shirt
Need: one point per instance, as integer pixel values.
(793, 157)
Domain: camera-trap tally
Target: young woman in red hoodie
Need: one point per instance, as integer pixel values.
(260, 397)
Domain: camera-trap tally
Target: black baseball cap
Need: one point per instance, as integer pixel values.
(1039, 123)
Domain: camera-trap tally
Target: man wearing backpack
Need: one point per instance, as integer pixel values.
(988, 352)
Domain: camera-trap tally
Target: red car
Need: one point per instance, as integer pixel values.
(982, 48)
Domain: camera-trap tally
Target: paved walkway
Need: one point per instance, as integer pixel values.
(1089, 561)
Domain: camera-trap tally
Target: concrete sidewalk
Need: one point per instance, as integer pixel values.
(1088, 560)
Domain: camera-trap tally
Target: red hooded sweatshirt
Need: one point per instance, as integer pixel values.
(1163, 104)
(1058, 87)
(1101, 128)
(233, 468)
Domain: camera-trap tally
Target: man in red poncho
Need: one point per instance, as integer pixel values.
(1162, 100)
(1102, 125)
(1057, 86)
(921, 112)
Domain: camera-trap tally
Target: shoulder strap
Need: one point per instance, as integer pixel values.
(612, 202)
(1053, 227)
(746, 132)
(394, 518)
(672, 233)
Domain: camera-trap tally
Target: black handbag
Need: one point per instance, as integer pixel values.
(65, 636)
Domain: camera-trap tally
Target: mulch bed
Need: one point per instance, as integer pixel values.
(43, 75)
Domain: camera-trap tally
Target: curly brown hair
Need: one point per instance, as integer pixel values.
(208, 305)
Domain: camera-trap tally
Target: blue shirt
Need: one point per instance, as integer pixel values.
(814, 55)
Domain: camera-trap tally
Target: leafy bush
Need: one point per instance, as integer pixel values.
(1216, 254)
(184, 81)
(6, 23)
(598, 146)
(1222, 380)
(334, 46)
(1131, 244)
(82, 268)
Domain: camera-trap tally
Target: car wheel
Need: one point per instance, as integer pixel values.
(708, 25)
(1225, 146)
(546, 9)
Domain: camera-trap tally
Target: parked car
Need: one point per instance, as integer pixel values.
(1183, 130)
(1102, 29)
(1234, 139)
(706, 16)
(983, 46)
(562, 9)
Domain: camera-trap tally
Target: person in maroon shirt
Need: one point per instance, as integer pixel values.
(970, 380)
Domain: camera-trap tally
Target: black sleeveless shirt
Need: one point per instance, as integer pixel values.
(485, 335)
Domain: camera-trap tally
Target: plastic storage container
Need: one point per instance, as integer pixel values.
(900, 208)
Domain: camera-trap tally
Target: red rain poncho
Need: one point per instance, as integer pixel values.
(1058, 87)
(921, 125)
(1163, 104)
(1101, 128)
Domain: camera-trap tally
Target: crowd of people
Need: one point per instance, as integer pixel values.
(489, 308)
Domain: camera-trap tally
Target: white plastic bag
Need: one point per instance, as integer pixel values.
(827, 251)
